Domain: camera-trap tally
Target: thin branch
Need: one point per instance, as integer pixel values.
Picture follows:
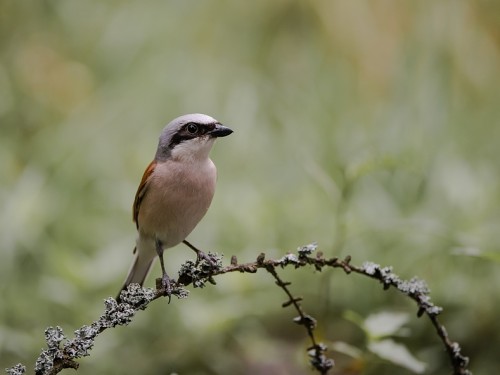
(62, 352)
(317, 350)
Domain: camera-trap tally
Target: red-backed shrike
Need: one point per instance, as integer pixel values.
(175, 191)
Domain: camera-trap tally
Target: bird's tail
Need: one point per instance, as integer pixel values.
(139, 269)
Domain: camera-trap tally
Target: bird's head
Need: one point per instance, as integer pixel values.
(189, 137)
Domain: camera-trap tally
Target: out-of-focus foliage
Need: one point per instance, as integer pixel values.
(369, 127)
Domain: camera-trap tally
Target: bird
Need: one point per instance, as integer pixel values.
(175, 192)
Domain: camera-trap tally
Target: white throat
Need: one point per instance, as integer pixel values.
(193, 150)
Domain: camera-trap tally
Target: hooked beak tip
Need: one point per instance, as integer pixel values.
(220, 131)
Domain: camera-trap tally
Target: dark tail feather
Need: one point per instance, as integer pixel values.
(137, 273)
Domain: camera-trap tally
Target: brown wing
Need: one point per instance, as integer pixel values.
(141, 191)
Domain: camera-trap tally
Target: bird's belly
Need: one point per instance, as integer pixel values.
(172, 207)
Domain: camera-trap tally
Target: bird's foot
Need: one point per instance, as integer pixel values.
(166, 284)
(210, 260)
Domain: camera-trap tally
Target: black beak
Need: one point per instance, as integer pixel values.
(220, 131)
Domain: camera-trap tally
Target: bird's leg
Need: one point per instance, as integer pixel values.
(200, 255)
(166, 281)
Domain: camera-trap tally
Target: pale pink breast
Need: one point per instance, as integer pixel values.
(177, 198)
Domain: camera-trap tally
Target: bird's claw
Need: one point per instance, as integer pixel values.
(167, 285)
(200, 256)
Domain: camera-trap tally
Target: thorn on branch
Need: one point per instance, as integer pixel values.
(282, 284)
(234, 260)
(292, 301)
(319, 262)
(346, 266)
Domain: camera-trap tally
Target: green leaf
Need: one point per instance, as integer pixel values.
(385, 323)
(397, 354)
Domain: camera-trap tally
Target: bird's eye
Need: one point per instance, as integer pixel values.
(192, 128)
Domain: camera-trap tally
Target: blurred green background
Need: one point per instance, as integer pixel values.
(369, 127)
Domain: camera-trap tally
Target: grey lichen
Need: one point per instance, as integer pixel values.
(307, 250)
(18, 369)
(59, 348)
(53, 337)
(288, 259)
(415, 287)
(370, 268)
(198, 273)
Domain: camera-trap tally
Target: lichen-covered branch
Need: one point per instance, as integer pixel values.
(317, 350)
(62, 352)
